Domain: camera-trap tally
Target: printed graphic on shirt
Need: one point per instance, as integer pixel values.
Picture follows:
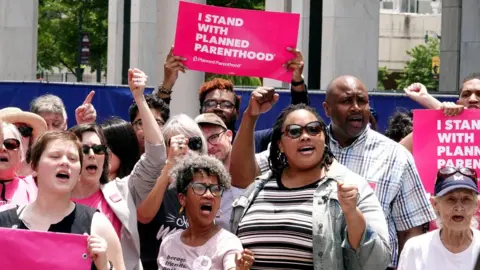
(173, 263)
(173, 224)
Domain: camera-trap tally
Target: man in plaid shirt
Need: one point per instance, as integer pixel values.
(386, 165)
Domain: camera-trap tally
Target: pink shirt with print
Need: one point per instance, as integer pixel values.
(96, 200)
(20, 191)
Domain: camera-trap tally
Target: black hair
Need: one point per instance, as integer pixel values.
(122, 141)
(469, 77)
(277, 161)
(79, 130)
(400, 125)
(153, 102)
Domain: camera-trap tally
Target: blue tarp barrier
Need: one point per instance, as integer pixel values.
(115, 100)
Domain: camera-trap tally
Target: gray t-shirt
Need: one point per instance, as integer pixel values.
(217, 253)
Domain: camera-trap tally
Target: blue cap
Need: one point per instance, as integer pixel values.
(455, 181)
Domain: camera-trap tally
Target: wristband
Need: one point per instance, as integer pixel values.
(294, 83)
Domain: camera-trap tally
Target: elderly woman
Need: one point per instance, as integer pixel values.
(456, 244)
(199, 183)
(309, 211)
(119, 198)
(57, 162)
(30, 126)
(13, 189)
(159, 215)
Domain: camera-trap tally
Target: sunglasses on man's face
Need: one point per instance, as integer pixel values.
(294, 131)
(11, 144)
(25, 131)
(446, 172)
(98, 149)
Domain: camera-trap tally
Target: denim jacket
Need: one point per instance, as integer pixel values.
(331, 249)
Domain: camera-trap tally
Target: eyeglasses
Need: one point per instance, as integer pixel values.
(212, 104)
(11, 144)
(98, 149)
(200, 189)
(139, 125)
(295, 131)
(446, 172)
(215, 138)
(25, 130)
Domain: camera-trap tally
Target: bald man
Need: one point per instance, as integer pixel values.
(386, 165)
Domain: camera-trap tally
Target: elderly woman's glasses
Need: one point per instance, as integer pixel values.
(295, 131)
(25, 130)
(98, 149)
(201, 188)
(446, 172)
(11, 144)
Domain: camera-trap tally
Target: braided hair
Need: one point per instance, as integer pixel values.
(277, 160)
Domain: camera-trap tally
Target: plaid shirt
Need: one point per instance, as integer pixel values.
(390, 170)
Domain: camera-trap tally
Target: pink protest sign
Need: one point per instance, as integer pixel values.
(236, 41)
(24, 249)
(440, 141)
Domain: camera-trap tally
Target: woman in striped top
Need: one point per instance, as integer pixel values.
(310, 212)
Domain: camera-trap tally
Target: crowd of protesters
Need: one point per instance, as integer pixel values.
(175, 192)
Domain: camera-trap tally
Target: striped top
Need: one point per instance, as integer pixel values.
(278, 227)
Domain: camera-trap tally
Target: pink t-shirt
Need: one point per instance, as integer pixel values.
(96, 200)
(20, 191)
(217, 253)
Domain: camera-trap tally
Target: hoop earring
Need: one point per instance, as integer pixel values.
(181, 210)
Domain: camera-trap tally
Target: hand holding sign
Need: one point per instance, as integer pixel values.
(296, 64)
(451, 109)
(262, 100)
(347, 196)
(173, 64)
(86, 112)
(137, 80)
(97, 247)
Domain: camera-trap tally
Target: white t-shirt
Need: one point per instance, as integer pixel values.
(217, 253)
(427, 252)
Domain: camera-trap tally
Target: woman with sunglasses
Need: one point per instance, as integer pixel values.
(13, 189)
(159, 213)
(30, 126)
(456, 244)
(119, 198)
(309, 211)
(200, 182)
(57, 162)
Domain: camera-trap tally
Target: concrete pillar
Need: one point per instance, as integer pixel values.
(18, 39)
(300, 7)
(450, 45)
(470, 41)
(350, 40)
(115, 41)
(143, 37)
(185, 91)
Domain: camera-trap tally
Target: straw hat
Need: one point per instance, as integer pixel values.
(15, 115)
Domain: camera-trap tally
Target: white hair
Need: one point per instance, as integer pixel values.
(438, 221)
(16, 134)
(48, 104)
(185, 125)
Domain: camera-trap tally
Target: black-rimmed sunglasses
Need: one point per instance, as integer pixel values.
(446, 172)
(11, 144)
(25, 131)
(200, 189)
(98, 149)
(295, 131)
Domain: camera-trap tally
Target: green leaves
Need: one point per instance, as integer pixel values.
(419, 68)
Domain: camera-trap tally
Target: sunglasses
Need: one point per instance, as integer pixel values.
(25, 131)
(98, 149)
(11, 144)
(200, 189)
(446, 172)
(295, 131)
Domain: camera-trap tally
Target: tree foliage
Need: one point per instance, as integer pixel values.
(383, 74)
(419, 68)
(58, 32)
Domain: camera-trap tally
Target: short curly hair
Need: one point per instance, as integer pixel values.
(400, 125)
(187, 167)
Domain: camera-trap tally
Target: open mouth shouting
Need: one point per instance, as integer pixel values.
(356, 120)
(306, 149)
(92, 169)
(458, 218)
(63, 175)
(3, 159)
(206, 208)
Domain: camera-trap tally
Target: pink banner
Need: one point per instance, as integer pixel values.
(440, 141)
(24, 249)
(236, 41)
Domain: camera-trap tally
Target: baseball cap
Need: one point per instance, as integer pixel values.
(210, 118)
(449, 179)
